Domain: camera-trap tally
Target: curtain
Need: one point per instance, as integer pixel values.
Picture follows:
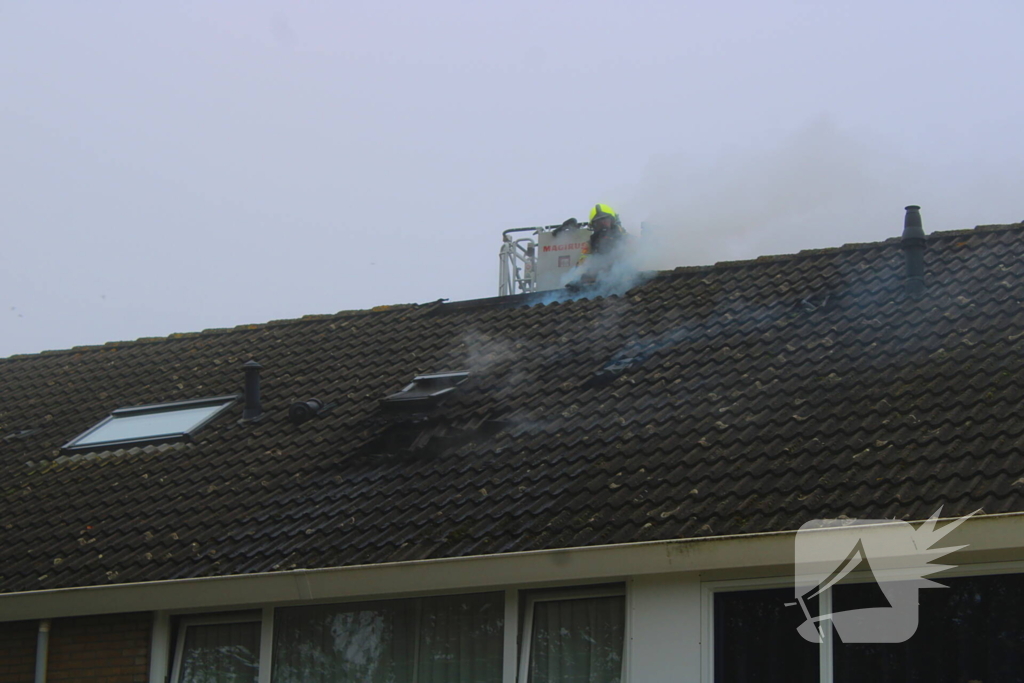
(221, 653)
(366, 643)
(577, 641)
(460, 639)
(454, 639)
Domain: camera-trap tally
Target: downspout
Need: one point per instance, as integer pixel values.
(42, 650)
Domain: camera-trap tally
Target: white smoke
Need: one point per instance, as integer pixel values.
(483, 351)
(615, 272)
(817, 187)
(780, 198)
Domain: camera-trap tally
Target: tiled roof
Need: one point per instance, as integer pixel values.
(736, 398)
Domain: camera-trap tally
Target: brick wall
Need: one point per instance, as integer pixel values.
(18, 651)
(110, 648)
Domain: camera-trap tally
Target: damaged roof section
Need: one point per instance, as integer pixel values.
(743, 400)
(421, 436)
(413, 423)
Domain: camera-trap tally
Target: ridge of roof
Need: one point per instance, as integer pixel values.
(515, 300)
(244, 327)
(848, 247)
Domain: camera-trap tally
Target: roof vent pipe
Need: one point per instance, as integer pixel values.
(252, 411)
(300, 411)
(913, 251)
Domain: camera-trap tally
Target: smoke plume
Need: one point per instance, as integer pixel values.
(818, 187)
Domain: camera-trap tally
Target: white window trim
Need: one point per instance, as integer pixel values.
(247, 617)
(554, 596)
(510, 651)
(266, 644)
(159, 647)
(710, 588)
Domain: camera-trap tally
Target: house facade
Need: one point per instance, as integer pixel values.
(608, 488)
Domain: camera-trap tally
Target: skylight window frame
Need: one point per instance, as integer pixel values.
(188, 435)
(426, 391)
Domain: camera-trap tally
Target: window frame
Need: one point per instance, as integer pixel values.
(165, 639)
(244, 617)
(558, 595)
(74, 444)
(708, 591)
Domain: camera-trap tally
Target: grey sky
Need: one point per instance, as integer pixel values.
(169, 167)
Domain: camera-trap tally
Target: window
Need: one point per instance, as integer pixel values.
(218, 649)
(973, 630)
(449, 639)
(756, 639)
(573, 637)
(151, 424)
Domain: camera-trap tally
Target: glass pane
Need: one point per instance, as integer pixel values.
(577, 641)
(971, 631)
(221, 653)
(166, 423)
(455, 639)
(460, 639)
(756, 640)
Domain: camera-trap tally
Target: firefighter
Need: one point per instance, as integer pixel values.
(607, 240)
(608, 233)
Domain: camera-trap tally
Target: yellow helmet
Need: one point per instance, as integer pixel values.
(602, 210)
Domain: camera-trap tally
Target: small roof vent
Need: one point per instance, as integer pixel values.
(425, 391)
(302, 411)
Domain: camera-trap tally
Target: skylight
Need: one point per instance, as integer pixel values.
(151, 424)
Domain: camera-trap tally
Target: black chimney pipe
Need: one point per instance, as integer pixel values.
(913, 251)
(252, 411)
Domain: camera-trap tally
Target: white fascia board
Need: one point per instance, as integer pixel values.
(990, 538)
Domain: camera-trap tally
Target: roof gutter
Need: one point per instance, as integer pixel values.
(991, 538)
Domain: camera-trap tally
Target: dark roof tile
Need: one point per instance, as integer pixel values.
(766, 393)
